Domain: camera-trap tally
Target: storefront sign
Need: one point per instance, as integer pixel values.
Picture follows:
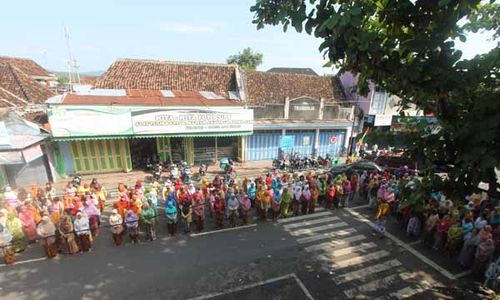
(75, 122)
(287, 141)
(179, 121)
(383, 120)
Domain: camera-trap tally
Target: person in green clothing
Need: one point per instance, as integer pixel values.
(15, 227)
(286, 199)
(149, 220)
(455, 238)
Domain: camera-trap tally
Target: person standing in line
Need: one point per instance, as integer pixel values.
(116, 223)
(199, 209)
(246, 206)
(187, 215)
(9, 256)
(233, 205)
(171, 214)
(305, 198)
(132, 223)
(149, 220)
(82, 229)
(381, 217)
(68, 235)
(46, 230)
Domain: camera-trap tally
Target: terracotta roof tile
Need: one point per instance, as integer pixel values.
(149, 98)
(161, 75)
(88, 80)
(274, 88)
(17, 83)
(26, 65)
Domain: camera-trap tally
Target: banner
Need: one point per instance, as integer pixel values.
(76, 122)
(383, 120)
(179, 121)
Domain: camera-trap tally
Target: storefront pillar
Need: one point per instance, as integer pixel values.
(316, 142)
(125, 155)
(241, 148)
(189, 150)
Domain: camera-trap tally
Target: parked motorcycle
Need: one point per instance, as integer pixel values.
(157, 171)
(186, 172)
(226, 164)
(174, 172)
(203, 170)
(77, 180)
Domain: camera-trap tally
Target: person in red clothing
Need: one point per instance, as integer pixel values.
(269, 179)
(441, 231)
(122, 205)
(219, 212)
(183, 197)
(314, 196)
(330, 195)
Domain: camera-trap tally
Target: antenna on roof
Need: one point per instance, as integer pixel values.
(73, 74)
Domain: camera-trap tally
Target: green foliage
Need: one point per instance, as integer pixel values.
(408, 48)
(247, 59)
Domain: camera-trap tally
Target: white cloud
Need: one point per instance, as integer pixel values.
(185, 28)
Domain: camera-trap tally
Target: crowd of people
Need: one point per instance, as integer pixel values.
(467, 230)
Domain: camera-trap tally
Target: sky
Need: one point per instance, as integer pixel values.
(196, 30)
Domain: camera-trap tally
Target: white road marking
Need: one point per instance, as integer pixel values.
(25, 261)
(326, 235)
(378, 284)
(400, 243)
(256, 284)
(463, 274)
(311, 222)
(359, 274)
(311, 216)
(361, 206)
(221, 230)
(319, 228)
(354, 249)
(360, 259)
(334, 243)
(408, 292)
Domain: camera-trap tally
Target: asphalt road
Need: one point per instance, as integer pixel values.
(327, 255)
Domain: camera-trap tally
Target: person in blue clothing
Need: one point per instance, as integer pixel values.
(278, 192)
(252, 193)
(171, 213)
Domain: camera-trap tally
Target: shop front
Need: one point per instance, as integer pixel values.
(97, 139)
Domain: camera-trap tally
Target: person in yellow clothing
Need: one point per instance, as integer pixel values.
(381, 217)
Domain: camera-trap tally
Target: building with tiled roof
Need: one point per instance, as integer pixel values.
(163, 75)
(17, 89)
(30, 68)
(300, 71)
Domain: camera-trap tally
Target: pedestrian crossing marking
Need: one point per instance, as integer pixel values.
(410, 291)
(359, 274)
(326, 235)
(360, 259)
(344, 251)
(310, 216)
(319, 228)
(311, 222)
(334, 243)
(378, 284)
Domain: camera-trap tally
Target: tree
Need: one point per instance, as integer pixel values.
(247, 59)
(408, 48)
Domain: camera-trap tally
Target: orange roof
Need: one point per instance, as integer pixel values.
(149, 98)
(26, 65)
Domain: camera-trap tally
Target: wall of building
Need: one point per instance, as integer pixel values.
(349, 81)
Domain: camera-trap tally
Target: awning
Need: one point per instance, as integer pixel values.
(115, 137)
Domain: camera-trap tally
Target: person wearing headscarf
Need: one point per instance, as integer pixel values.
(5, 245)
(139, 189)
(70, 190)
(381, 217)
(297, 195)
(171, 214)
(187, 215)
(441, 231)
(82, 229)
(116, 223)
(27, 218)
(55, 210)
(122, 204)
(149, 220)
(330, 196)
(67, 235)
(276, 204)
(101, 194)
(245, 205)
(132, 223)
(3, 216)
(454, 238)
(11, 198)
(93, 214)
(314, 196)
(15, 227)
(286, 199)
(199, 209)
(232, 206)
(484, 252)
(50, 191)
(46, 230)
(219, 212)
(252, 193)
(305, 198)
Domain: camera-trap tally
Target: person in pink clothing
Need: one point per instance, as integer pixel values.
(198, 209)
(27, 218)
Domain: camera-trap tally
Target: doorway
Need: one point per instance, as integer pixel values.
(142, 150)
(177, 149)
